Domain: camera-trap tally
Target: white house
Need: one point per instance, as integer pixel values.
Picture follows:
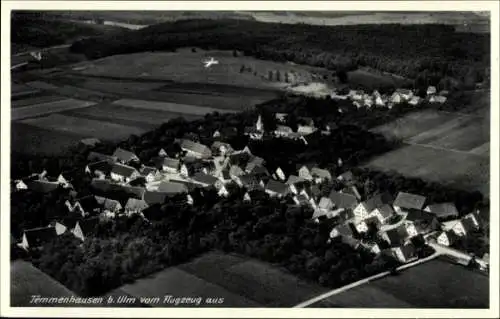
(437, 99)
(20, 185)
(280, 174)
(123, 173)
(124, 156)
(431, 90)
(447, 238)
(405, 254)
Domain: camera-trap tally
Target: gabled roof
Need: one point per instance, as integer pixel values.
(152, 198)
(123, 170)
(276, 187)
(325, 203)
(373, 202)
(294, 179)
(397, 235)
(235, 170)
(419, 215)
(322, 173)
(343, 200)
(249, 181)
(172, 187)
(284, 129)
(372, 219)
(408, 200)
(146, 170)
(205, 178)
(107, 203)
(346, 176)
(39, 236)
(124, 155)
(172, 163)
(42, 186)
(353, 190)
(258, 170)
(386, 210)
(408, 251)
(103, 166)
(195, 147)
(136, 204)
(452, 237)
(443, 210)
(468, 224)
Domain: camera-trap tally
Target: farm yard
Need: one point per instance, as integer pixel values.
(434, 284)
(240, 281)
(446, 147)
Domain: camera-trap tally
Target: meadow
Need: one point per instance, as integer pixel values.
(170, 107)
(242, 282)
(434, 284)
(371, 80)
(47, 108)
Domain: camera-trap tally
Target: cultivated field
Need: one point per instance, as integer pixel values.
(27, 280)
(450, 148)
(39, 99)
(47, 108)
(435, 284)
(83, 127)
(186, 66)
(170, 107)
(240, 281)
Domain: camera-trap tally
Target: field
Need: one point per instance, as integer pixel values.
(47, 108)
(434, 284)
(240, 281)
(170, 107)
(185, 66)
(450, 148)
(27, 280)
(370, 80)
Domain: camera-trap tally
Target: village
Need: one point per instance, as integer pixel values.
(218, 166)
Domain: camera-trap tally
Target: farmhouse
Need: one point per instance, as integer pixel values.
(305, 171)
(123, 173)
(275, 188)
(149, 173)
(424, 222)
(85, 227)
(405, 253)
(283, 131)
(404, 93)
(431, 90)
(124, 156)
(169, 187)
(109, 205)
(365, 224)
(437, 99)
(371, 247)
(447, 238)
(365, 208)
(344, 230)
(220, 148)
(462, 226)
(194, 149)
(398, 235)
(443, 210)
(383, 213)
(154, 197)
(36, 237)
(167, 164)
(342, 200)
(206, 180)
(405, 201)
(100, 169)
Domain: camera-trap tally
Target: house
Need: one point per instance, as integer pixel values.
(461, 227)
(171, 188)
(250, 182)
(85, 228)
(253, 133)
(399, 235)
(443, 210)
(155, 197)
(321, 214)
(194, 149)
(405, 253)
(424, 222)
(20, 185)
(437, 99)
(167, 164)
(223, 192)
(431, 90)
(325, 204)
(364, 225)
(258, 171)
(383, 213)
(405, 201)
(415, 100)
(365, 208)
(342, 200)
(206, 180)
(305, 172)
(279, 174)
(36, 237)
(61, 179)
(216, 134)
(320, 175)
(305, 129)
(275, 188)
(235, 172)
(356, 94)
(296, 184)
(405, 94)
(281, 117)
(162, 153)
(135, 206)
(220, 148)
(124, 156)
(109, 206)
(246, 197)
(59, 227)
(123, 173)
(149, 173)
(447, 238)
(300, 200)
(40, 186)
(85, 206)
(371, 247)
(344, 230)
(346, 177)
(100, 169)
(282, 130)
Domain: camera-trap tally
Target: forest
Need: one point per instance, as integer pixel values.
(428, 52)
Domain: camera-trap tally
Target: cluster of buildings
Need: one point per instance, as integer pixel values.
(361, 99)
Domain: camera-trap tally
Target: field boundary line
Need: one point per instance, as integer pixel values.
(362, 281)
(446, 149)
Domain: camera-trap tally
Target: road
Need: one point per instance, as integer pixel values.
(363, 281)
